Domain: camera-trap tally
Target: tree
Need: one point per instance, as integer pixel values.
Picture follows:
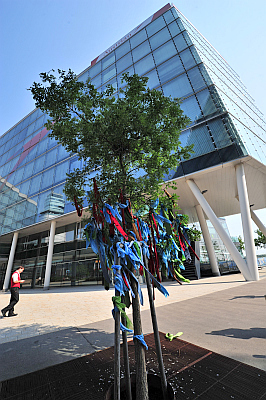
(260, 241)
(131, 140)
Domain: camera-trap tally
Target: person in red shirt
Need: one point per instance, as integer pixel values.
(15, 285)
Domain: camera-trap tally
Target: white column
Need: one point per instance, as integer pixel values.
(10, 261)
(246, 222)
(208, 241)
(258, 222)
(49, 257)
(240, 262)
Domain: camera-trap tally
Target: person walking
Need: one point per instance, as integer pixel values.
(15, 285)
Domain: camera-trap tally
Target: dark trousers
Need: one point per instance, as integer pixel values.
(13, 300)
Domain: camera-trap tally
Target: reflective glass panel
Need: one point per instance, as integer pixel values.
(124, 63)
(178, 87)
(48, 178)
(159, 38)
(60, 171)
(153, 79)
(122, 49)
(108, 60)
(168, 16)
(138, 38)
(191, 108)
(164, 52)
(219, 133)
(180, 42)
(174, 29)
(144, 65)
(170, 69)
(141, 51)
(96, 81)
(108, 73)
(155, 26)
(187, 58)
(196, 78)
(206, 102)
(39, 164)
(96, 69)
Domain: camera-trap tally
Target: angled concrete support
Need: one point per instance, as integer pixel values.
(240, 262)
(10, 261)
(208, 241)
(258, 222)
(246, 222)
(49, 257)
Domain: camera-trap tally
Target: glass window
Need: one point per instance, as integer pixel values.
(108, 73)
(48, 178)
(35, 184)
(97, 81)
(138, 38)
(206, 103)
(39, 164)
(164, 52)
(32, 153)
(170, 69)
(196, 79)
(153, 79)
(141, 51)
(28, 170)
(96, 69)
(187, 58)
(178, 87)
(112, 83)
(191, 108)
(51, 157)
(187, 38)
(155, 26)
(180, 42)
(60, 171)
(108, 60)
(174, 29)
(124, 63)
(41, 146)
(219, 133)
(205, 74)
(24, 187)
(159, 38)
(144, 65)
(168, 16)
(19, 175)
(195, 54)
(122, 50)
(201, 139)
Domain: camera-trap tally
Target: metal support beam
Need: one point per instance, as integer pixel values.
(208, 241)
(246, 222)
(10, 261)
(240, 262)
(49, 257)
(258, 222)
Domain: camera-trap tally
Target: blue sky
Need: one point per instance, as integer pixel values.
(38, 35)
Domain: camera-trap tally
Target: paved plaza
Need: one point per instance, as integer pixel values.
(224, 314)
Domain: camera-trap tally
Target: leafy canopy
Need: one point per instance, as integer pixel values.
(260, 241)
(131, 139)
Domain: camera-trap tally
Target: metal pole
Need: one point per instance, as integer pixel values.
(156, 333)
(117, 348)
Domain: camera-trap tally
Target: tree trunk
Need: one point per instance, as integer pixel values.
(141, 374)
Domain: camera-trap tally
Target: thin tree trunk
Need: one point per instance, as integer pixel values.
(156, 334)
(141, 374)
(126, 361)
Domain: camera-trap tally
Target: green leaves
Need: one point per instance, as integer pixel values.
(134, 137)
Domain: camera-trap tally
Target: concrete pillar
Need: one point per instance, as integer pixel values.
(10, 261)
(240, 262)
(208, 241)
(258, 222)
(246, 222)
(49, 257)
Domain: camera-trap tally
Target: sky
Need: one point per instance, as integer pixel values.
(39, 35)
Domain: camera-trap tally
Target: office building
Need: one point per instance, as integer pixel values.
(40, 228)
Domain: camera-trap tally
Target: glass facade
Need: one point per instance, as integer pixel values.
(179, 61)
